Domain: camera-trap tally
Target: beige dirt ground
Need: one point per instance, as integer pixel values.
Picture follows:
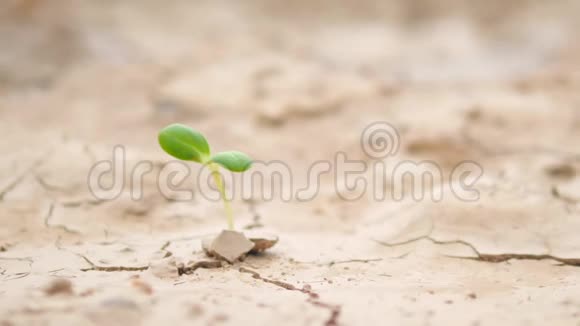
(493, 82)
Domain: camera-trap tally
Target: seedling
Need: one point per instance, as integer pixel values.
(187, 144)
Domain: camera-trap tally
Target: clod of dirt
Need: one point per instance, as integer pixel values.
(59, 286)
(561, 171)
(196, 310)
(142, 286)
(262, 241)
(228, 245)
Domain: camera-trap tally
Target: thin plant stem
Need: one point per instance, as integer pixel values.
(217, 177)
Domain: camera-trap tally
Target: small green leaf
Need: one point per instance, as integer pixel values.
(184, 143)
(233, 161)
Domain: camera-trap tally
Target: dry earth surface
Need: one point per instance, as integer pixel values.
(493, 82)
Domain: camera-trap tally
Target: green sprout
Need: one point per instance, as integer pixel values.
(187, 144)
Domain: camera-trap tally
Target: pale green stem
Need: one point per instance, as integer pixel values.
(217, 177)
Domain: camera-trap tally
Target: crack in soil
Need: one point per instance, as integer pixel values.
(16, 276)
(337, 262)
(568, 200)
(181, 270)
(111, 268)
(165, 246)
(491, 258)
(78, 203)
(354, 261)
(313, 297)
(18, 179)
(46, 186)
(56, 226)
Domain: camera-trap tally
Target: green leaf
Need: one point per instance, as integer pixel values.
(233, 161)
(184, 143)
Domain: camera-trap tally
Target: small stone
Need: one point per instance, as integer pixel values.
(59, 286)
(196, 310)
(142, 286)
(561, 171)
(230, 246)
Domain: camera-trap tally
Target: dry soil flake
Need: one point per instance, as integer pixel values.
(262, 241)
(232, 246)
(228, 245)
